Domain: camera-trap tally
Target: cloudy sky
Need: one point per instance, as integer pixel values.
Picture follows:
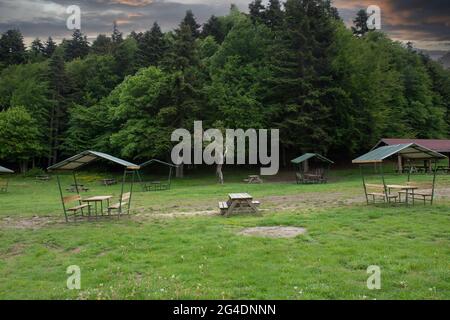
(424, 22)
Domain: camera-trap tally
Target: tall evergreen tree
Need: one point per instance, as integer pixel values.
(360, 27)
(50, 47)
(77, 47)
(183, 52)
(116, 36)
(299, 91)
(274, 15)
(151, 47)
(58, 83)
(12, 48)
(102, 45)
(213, 27)
(190, 21)
(37, 49)
(257, 11)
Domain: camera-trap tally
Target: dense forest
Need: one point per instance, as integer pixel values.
(292, 66)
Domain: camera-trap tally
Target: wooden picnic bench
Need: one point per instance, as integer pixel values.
(109, 182)
(253, 179)
(43, 177)
(96, 200)
(3, 185)
(241, 202)
(378, 192)
(73, 188)
(123, 202)
(156, 186)
(73, 211)
(418, 191)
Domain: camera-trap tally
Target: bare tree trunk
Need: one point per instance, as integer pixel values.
(219, 173)
(179, 172)
(51, 137)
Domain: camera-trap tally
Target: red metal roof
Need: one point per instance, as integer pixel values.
(433, 144)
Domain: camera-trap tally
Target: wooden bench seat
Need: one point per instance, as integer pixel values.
(119, 205)
(116, 205)
(256, 203)
(74, 210)
(82, 206)
(223, 206)
(378, 191)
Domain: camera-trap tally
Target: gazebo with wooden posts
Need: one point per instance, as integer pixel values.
(4, 182)
(156, 185)
(81, 160)
(392, 193)
(312, 168)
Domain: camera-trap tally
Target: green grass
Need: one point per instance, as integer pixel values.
(149, 256)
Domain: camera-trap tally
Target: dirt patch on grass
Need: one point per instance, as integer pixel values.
(273, 232)
(33, 223)
(16, 250)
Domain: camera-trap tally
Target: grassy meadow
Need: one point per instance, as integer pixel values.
(174, 245)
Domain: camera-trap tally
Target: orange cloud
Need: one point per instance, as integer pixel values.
(133, 3)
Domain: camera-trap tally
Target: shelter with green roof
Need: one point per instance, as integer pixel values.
(156, 185)
(312, 168)
(411, 191)
(83, 159)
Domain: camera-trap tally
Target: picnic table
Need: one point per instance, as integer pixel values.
(253, 179)
(109, 182)
(43, 177)
(403, 189)
(96, 200)
(242, 202)
(80, 187)
(444, 169)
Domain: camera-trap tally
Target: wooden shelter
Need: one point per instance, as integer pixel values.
(4, 182)
(410, 190)
(156, 185)
(312, 168)
(439, 145)
(81, 160)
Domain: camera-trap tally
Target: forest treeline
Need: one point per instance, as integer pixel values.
(295, 67)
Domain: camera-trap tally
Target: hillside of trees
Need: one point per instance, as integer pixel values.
(296, 67)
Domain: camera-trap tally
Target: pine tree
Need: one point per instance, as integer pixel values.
(50, 47)
(213, 28)
(190, 21)
(151, 47)
(37, 48)
(58, 83)
(77, 47)
(116, 36)
(183, 52)
(12, 48)
(102, 45)
(360, 27)
(301, 64)
(274, 15)
(257, 11)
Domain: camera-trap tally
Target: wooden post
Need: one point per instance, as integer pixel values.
(305, 166)
(400, 164)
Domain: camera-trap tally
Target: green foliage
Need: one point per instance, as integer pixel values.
(77, 47)
(294, 67)
(151, 47)
(12, 48)
(19, 135)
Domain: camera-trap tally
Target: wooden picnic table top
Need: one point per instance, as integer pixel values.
(396, 186)
(240, 196)
(97, 198)
(312, 175)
